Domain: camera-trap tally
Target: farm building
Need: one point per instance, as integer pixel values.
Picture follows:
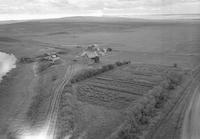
(93, 52)
(52, 57)
(93, 47)
(93, 55)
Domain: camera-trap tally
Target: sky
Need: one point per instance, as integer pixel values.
(13, 9)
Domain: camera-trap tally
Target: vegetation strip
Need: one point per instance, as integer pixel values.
(189, 86)
(170, 112)
(93, 72)
(142, 115)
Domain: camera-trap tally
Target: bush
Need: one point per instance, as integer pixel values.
(126, 62)
(110, 66)
(104, 69)
(62, 52)
(174, 79)
(175, 65)
(143, 114)
(109, 49)
(129, 130)
(118, 63)
(160, 95)
(92, 72)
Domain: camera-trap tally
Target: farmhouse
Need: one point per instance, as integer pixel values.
(93, 52)
(93, 55)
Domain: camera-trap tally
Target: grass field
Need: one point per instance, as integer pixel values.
(98, 104)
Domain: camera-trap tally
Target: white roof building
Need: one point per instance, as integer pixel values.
(90, 54)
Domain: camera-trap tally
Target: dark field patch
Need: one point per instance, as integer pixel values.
(116, 89)
(8, 39)
(108, 98)
(58, 33)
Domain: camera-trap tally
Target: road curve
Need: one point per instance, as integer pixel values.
(170, 127)
(191, 125)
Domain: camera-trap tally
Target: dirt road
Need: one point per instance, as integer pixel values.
(54, 106)
(171, 125)
(191, 125)
(52, 116)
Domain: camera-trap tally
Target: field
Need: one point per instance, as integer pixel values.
(120, 88)
(96, 107)
(146, 41)
(103, 101)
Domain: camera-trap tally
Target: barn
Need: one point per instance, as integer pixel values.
(93, 55)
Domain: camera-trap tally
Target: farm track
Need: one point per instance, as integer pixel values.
(181, 99)
(52, 114)
(181, 116)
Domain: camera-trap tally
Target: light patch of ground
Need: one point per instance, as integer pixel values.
(7, 62)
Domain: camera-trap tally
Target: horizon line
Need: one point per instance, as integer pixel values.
(127, 16)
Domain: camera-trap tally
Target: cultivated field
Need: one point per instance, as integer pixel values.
(116, 89)
(104, 101)
(103, 105)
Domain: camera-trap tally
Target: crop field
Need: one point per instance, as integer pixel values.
(103, 102)
(116, 89)
(97, 104)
